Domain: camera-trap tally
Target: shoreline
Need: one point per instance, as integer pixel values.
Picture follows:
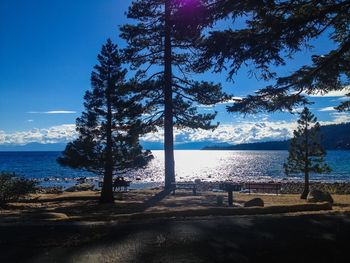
(287, 187)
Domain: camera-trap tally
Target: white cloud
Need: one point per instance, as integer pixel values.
(232, 100)
(337, 93)
(338, 117)
(261, 129)
(30, 120)
(232, 133)
(56, 134)
(53, 112)
(327, 109)
(243, 132)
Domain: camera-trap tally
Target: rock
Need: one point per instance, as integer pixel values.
(80, 187)
(50, 190)
(254, 202)
(319, 196)
(81, 180)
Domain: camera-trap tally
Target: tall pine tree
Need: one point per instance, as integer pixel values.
(110, 126)
(306, 154)
(160, 45)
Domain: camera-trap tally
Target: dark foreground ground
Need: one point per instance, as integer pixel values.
(269, 238)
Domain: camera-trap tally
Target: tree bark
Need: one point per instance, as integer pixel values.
(306, 186)
(168, 103)
(107, 188)
(306, 162)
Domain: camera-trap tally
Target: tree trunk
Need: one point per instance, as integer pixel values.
(306, 186)
(168, 104)
(107, 188)
(306, 163)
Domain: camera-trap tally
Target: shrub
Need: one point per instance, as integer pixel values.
(13, 187)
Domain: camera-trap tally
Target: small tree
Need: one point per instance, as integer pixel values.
(110, 127)
(306, 154)
(13, 187)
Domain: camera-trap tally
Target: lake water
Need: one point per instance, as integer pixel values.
(190, 165)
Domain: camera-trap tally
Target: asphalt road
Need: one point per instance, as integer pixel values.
(268, 238)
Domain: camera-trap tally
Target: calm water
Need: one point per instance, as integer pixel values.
(190, 165)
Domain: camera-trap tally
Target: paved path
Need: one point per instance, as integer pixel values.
(269, 238)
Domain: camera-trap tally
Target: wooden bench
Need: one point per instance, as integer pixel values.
(263, 187)
(187, 186)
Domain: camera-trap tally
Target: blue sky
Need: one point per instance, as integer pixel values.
(48, 49)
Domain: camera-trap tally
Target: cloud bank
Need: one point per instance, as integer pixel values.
(56, 134)
(232, 133)
(327, 109)
(334, 93)
(242, 132)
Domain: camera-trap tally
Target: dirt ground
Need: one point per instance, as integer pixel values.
(264, 238)
(73, 227)
(83, 206)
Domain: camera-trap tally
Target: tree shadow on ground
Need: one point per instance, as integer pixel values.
(309, 238)
(78, 208)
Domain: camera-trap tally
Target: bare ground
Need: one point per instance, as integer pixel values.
(73, 227)
(83, 206)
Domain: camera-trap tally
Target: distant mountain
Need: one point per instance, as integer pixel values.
(335, 137)
(183, 146)
(33, 147)
(272, 146)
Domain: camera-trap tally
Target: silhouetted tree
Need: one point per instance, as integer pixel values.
(269, 34)
(163, 37)
(306, 155)
(110, 126)
(344, 105)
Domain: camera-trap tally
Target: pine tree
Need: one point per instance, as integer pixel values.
(110, 126)
(306, 154)
(160, 46)
(345, 105)
(273, 31)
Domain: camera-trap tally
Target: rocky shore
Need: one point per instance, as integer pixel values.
(291, 187)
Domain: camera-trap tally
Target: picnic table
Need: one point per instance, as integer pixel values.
(230, 188)
(186, 186)
(264, 187)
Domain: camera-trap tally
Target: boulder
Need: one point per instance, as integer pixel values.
(254, 202)
(315, 196)
(80, 187)
(50, 190)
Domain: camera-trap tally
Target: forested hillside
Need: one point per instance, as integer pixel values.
(335, 137)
